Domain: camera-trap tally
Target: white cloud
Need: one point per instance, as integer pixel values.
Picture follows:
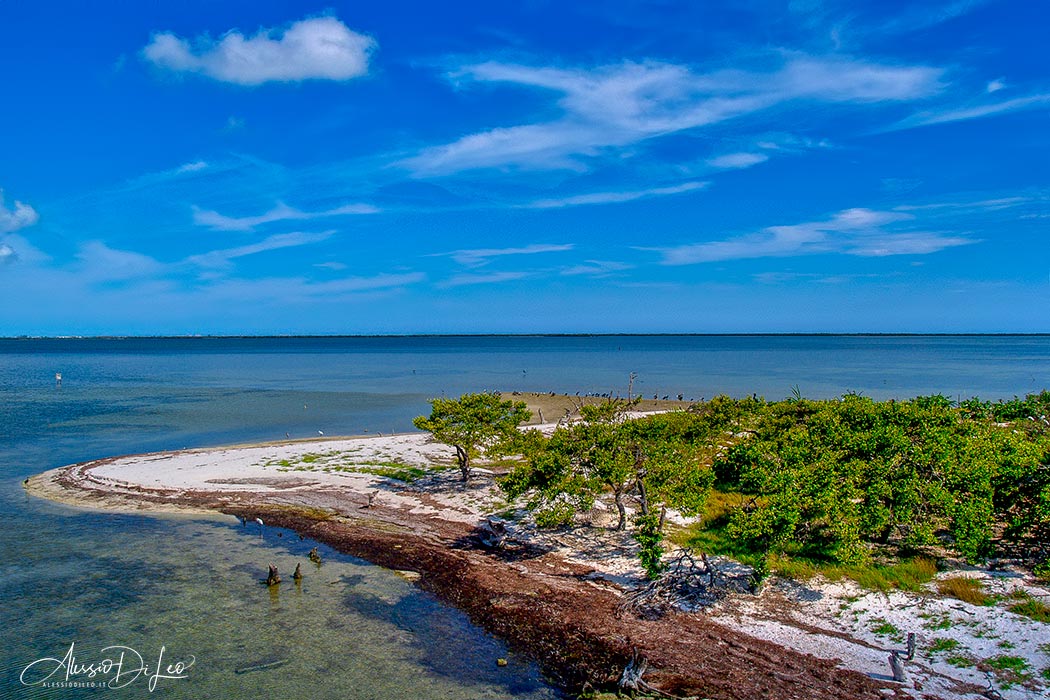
(19, 216)
(618, 105)
(481, 256)
(843, 80)
(191, 167)
(924, 15)
(98, 262)
(995, 85)
(859, 231)
(596, 268)
(7, 254)
(738, 160)
(493, 278)
(222, 258)
(318, 48)
(363, 284)
(246, 293)
(281, 212)
(910, 243)
(959, 114)
(615, 197)
(983, 204)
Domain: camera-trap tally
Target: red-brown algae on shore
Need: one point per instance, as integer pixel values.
(557, 603)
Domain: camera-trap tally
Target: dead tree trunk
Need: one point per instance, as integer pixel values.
(463, 457)
(631, 678)
(900, 674)
(493, 533)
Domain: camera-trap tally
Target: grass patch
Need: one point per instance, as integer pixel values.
(960, 661)
(795, 569)
(886, 629)
(911, 574)
(964, 588)
(1045, 673)
(1009, 669)
(870, 578)
(1031, 608)
(906, 575)
(1008, 663)
(399, 472)
(943, 644)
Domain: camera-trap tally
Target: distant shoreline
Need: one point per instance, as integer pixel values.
(757, 334)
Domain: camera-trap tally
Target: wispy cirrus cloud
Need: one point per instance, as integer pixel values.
(925, 15)
(491, 278)
(481, 256)
(281, 212)
(98, 262)
(293, 288)
(17, 216)
(858, 231)
(222, 258)
(613, 106)
(737, 161)
(962, 205)
(958, 114)
(596, 268)
(614, 197)
(316, 48)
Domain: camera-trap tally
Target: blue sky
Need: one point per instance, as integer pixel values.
(624, 166)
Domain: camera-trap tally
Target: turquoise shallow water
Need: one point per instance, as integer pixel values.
(351, 630)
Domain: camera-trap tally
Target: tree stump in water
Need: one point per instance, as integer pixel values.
(314, 556)
(272, 578)
(297, 574)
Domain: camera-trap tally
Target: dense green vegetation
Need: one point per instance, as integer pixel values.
(474, 424)
(827, 482)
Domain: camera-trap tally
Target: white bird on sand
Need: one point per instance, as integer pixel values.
(259, 520)
(321, 433)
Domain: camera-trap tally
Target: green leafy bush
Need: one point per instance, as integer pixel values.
(825, 482)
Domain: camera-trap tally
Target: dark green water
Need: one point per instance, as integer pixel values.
(351, 630)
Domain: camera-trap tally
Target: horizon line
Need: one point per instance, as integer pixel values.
(319, 336)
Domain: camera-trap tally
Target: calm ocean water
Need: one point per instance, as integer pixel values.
(352, 630)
